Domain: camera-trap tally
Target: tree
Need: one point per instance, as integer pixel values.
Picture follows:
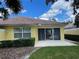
(4, 13)
(14, 5)
(77, 20)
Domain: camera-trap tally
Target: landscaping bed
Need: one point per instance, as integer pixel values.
(61, 52)
(15, 53)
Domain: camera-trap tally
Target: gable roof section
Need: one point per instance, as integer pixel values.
(28, 21)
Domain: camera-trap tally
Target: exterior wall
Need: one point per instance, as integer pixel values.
(34, 33)
(74, 31)
(62, 33)
(2, 34)
(9, 33)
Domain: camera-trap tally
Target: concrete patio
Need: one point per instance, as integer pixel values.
(54, 43)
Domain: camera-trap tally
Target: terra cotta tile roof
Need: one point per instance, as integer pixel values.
(26, 21)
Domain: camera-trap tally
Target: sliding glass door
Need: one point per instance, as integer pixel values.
(41, 34)
(49, 34)
(45, 34)
(56, 33)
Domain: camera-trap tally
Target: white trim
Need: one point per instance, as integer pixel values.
(53, 33)
(22, 32)
(45, 33)
(72, 29)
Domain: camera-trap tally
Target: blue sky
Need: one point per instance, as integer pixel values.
(34, 8)
(62, 16)
(38, 8)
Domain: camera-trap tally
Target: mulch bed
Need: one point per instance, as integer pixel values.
(15, 53)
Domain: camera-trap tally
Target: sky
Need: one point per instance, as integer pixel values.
(60, 10)
(34, 8)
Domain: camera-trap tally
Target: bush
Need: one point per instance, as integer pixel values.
(7, 43)
(17, 43)
(72, 37)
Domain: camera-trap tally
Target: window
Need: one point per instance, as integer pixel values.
(18, 35)
(22, 32)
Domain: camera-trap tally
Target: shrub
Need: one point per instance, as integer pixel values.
(72, 37)
(7, 43)
(18, 43)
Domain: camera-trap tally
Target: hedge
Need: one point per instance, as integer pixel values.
(72, 37)
(17, 43)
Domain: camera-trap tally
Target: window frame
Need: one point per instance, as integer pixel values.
(22, 32)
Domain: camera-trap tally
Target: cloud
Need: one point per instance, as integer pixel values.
(23, 11)
(35, 17)
(9, 10)
(44, 18)
(0, 14)
(55, 9)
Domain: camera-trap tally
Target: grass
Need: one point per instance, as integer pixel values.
(64, 52)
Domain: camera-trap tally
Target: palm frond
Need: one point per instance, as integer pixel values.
(77, 20)
(14, 5)
(75, 6)
(4, 13)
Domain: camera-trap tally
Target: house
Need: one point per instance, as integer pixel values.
(71, 29)
(23, 27)
(71, 32)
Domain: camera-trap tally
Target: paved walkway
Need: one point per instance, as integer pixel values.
(54, 43)
(28, 55)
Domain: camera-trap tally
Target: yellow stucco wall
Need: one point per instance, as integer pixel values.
(9, 33)
(62, 33)
(34, 33)
(72, 31)
(2, 34)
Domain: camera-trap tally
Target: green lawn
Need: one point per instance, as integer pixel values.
(56, 53)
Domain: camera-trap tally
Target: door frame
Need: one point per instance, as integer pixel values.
(46, 33)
